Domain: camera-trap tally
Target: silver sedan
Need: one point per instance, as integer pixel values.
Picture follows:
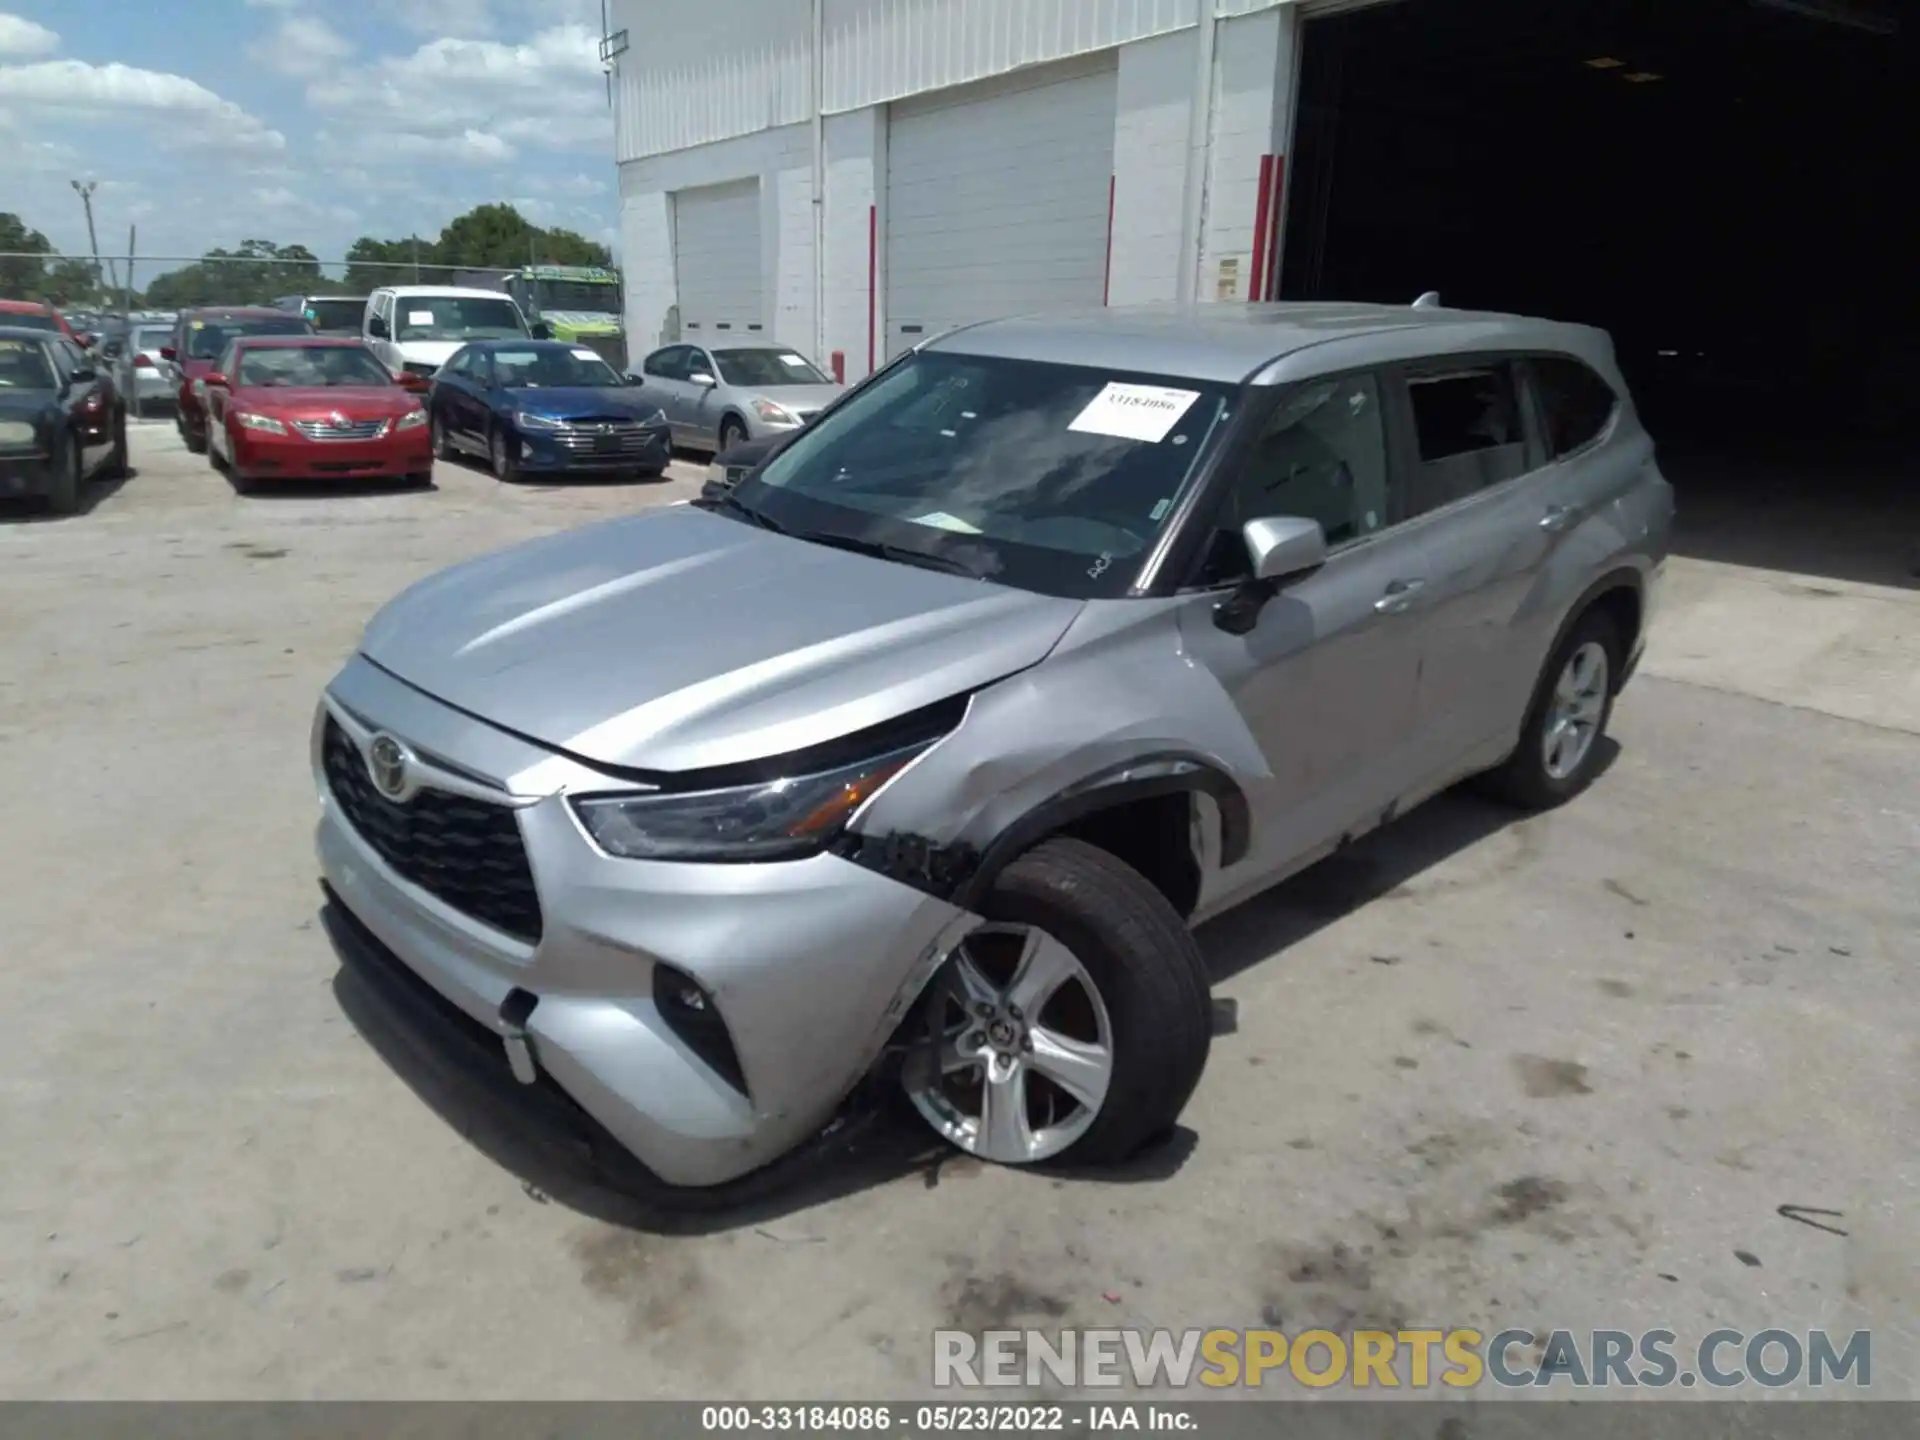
(145, 378)
(715, 397)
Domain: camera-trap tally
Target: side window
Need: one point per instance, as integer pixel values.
(1469, 432)
(698, 362)
(60, 353)
(1322, 456)
(667, 363)
(1576, 405)
(480, 368)
(461, 365)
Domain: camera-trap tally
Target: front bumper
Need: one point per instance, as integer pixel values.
(258, 456)
(553, 451)
(810, 964)
(25, 474)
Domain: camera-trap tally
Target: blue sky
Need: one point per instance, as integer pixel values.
(205, 122)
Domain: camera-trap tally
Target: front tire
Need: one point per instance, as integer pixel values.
(1073, 1026)
(63, 495)
(117, 463)
(732, 433)
(442, 447)
(506, 468)
(1559, 751)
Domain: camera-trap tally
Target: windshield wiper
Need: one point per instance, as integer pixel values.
(880, 550)
(732, 505)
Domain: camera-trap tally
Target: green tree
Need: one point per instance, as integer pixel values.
(72, 283)
(21, 275)
(486, 237)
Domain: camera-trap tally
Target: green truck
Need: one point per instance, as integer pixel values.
(581, 303)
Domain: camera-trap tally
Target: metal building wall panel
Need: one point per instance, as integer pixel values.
(695, 73)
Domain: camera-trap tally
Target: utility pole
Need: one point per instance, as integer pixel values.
(85, 191)
(416, 259)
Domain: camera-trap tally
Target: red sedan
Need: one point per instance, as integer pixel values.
(309, 408)
(32, 315)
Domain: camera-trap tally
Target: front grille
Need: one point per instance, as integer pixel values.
(603, 437)
(352, 430)
(466, 852)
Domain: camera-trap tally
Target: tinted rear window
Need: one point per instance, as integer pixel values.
(207, 338)
(1575, 402)
(339, 317)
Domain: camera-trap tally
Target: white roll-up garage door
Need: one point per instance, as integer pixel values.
(998, 199)
(716, 258)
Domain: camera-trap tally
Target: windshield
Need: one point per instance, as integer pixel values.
(151, 337)
(23, 366)
(310, 365)
(763, 369)
(336, 317)
(207, 338)
(29, 320)
(455, 317)
(551, 369)
(586, 295)
(1053, 478)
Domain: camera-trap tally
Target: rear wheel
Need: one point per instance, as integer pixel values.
(195, 436)
(1073, 1025)
(1559, 751)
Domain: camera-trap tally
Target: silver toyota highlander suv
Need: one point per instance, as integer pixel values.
(919, 752)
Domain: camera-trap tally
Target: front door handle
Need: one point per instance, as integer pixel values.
(1559, 517)
(1400, 596)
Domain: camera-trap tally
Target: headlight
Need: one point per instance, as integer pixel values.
(774, 414)
(412, 420)
(773, 820)
(15, 432)
(536, 422)
(266, 424)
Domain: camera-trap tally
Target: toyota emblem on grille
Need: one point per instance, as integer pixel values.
(340, 422)
(387, 765)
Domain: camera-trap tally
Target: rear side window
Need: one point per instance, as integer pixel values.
(1469, 431)
(1576, 405)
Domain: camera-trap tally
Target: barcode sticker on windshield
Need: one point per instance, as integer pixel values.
(419, 317)
(1134, 412)
(794, 361)
(580, 352)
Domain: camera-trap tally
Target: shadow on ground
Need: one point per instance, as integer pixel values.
(92, 496)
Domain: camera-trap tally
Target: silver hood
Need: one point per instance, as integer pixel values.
(676, 640)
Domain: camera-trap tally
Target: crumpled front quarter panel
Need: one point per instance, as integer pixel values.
(1118, 688)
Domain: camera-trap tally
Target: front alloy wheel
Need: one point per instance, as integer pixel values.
(1023, 1044)
(500, 449)
(1072, 1025)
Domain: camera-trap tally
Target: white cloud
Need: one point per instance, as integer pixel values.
(303, 46)
(484, 98)
(104, 90)
(21, 36)
(572, 186)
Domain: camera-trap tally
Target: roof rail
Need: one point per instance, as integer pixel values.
(1428, 301)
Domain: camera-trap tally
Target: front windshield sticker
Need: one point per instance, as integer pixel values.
(940, 520)
(795, 361)
(582, 353)
(419, 317)
(1134, 412)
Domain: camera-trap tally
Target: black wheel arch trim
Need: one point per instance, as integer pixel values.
(964, 873)
(1624, 578)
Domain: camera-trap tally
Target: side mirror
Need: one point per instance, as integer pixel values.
(85, 339)
(377, 328)
(214, 380)
(636, 379)
(700, 377)
(1284, 545)
(167, 352)
(82, 374)
(1279, 547)
(540, 330)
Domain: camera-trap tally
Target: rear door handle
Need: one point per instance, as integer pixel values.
(1559, 517)
(1400, 596)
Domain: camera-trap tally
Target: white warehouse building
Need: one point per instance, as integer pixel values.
(1709, 180)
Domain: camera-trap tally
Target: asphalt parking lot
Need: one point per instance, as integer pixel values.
(1560, 1072)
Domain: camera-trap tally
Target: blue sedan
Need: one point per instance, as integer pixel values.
(543, 406)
